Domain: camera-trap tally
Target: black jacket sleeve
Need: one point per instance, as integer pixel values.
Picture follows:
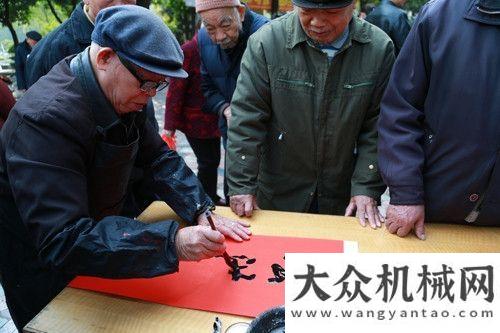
(47, 168)
(171, 179)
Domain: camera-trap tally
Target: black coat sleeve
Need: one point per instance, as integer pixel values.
(47, 169)
(171, 179)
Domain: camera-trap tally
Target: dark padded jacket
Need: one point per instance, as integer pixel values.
(439, 129)
(220, 68)
(62, 193)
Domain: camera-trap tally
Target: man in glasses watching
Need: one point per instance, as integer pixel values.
(66, 153)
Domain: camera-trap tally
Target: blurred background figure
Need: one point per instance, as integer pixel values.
(23, 51)
(390, 17)
(183, 112)
(366, 10)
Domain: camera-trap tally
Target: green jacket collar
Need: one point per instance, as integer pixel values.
(358, 31)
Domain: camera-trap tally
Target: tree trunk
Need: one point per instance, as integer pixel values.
(6, 21)
(12, 32)
(53, 10)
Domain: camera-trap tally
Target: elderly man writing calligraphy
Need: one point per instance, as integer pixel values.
(303, 131)
(67, 151)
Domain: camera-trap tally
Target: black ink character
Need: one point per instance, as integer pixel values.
(236, 271)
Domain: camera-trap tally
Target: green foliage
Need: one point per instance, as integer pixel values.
(12, 11)
(179, 18)
(15, 10)
(66, 6)
(42, 19)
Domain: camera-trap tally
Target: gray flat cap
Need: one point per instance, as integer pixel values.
(139, 36)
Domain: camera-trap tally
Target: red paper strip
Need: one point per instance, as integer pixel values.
(206, 285)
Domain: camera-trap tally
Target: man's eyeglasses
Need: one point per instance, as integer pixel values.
(145, 85)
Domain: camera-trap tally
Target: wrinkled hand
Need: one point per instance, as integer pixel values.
(227, 114)
(243, 204)
(364, 207)
(401, 220)
(235, 229)
(169, 133)
(198, 242)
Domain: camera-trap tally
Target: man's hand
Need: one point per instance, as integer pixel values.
(237, 230)
(364, 207)
(401, 220)
(199, 242)
(243, 205)
(227, 114)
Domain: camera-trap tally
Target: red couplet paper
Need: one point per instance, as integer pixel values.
(207, 285)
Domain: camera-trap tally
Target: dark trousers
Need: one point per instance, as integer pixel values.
(28, 284)
(207, 152)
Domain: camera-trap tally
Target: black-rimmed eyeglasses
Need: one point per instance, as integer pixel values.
(145, 85)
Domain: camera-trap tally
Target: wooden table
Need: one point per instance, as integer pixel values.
(75, 311)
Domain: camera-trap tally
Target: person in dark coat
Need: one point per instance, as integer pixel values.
(22, 52)
(223, 39)
(183, 111)
(390, 17)
(7, 101)
(439, 129)
(222, 43)
(66, 155)
(71, 37)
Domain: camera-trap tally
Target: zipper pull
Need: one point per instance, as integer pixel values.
(280, 137)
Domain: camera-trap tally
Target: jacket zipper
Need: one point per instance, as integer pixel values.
(297, 82)
(352, 86)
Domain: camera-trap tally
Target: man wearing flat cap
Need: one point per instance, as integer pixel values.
(67, 151)
(23, 51)
(303, 131)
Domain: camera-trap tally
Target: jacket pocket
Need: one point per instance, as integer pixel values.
(290, 79)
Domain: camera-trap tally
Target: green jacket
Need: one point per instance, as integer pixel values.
(301, 124)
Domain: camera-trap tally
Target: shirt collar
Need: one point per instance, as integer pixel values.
(295, 33)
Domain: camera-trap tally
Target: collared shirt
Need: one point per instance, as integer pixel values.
(334, 47)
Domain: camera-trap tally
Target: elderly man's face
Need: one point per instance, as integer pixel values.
(224, 25)
(96, 5)
(325, 25)
(118, 83)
